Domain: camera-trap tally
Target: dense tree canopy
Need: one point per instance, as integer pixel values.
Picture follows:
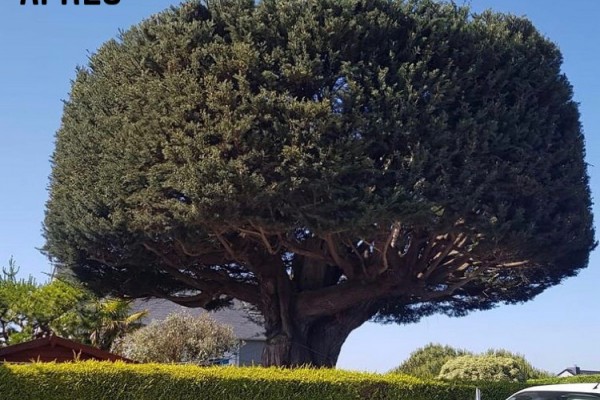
(327, 161)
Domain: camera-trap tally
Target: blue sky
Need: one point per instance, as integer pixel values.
(40, 46)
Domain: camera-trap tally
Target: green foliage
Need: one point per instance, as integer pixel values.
(13, 292)
(530, 371)
(54, 307)
(180, 338)
(570, 379)
(106, 381)
(400, 158)
(482, 368)
(29, 310)
(502, 390)
(499, 390)
(111, 320)
(426, 362)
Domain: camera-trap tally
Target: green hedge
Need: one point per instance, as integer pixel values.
(572, 379)
(498, 390)
(96, 380)
(502, 390)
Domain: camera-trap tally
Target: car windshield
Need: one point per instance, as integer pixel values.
(554, 396)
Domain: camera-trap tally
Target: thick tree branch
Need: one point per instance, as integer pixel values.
(429, 295)
(302, 251)
(382, 263)
(335, 299)
(207, 280)
(359, 257)
(341, 262)
(261, 238)
(227, 246)
(200, 300)
(437, 259)
(209, 256)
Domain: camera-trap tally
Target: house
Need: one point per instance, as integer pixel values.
(55, 349)
(246, 325)
(572, 371)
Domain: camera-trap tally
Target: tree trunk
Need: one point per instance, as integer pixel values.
(317, 343)
(297, 340)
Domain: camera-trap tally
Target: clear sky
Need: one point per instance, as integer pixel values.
(40, 46)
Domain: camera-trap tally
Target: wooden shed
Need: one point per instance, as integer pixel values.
(57, 349)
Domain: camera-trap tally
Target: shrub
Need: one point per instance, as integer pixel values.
(104, 381)
(530, 371)
(483, 368)
(179, 338)
(571, 379)
(426, 362)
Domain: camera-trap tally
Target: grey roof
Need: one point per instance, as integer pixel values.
(579, 371)
(238, 316)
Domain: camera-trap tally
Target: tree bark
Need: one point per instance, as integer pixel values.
(296, 337)
(315, 343)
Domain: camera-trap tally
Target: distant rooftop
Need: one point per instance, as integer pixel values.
(55, 349)
(578, 371)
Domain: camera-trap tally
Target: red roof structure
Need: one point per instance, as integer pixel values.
(55, 349)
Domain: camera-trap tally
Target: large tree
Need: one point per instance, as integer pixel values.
(328, 161)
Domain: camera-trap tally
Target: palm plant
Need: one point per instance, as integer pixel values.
(114, 320)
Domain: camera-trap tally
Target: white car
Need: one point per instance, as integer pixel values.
(570, 391)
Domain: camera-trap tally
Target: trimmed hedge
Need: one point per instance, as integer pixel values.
(501, 390)
(498, 390)
(572, 379)
(91, 380)
(97, 380)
